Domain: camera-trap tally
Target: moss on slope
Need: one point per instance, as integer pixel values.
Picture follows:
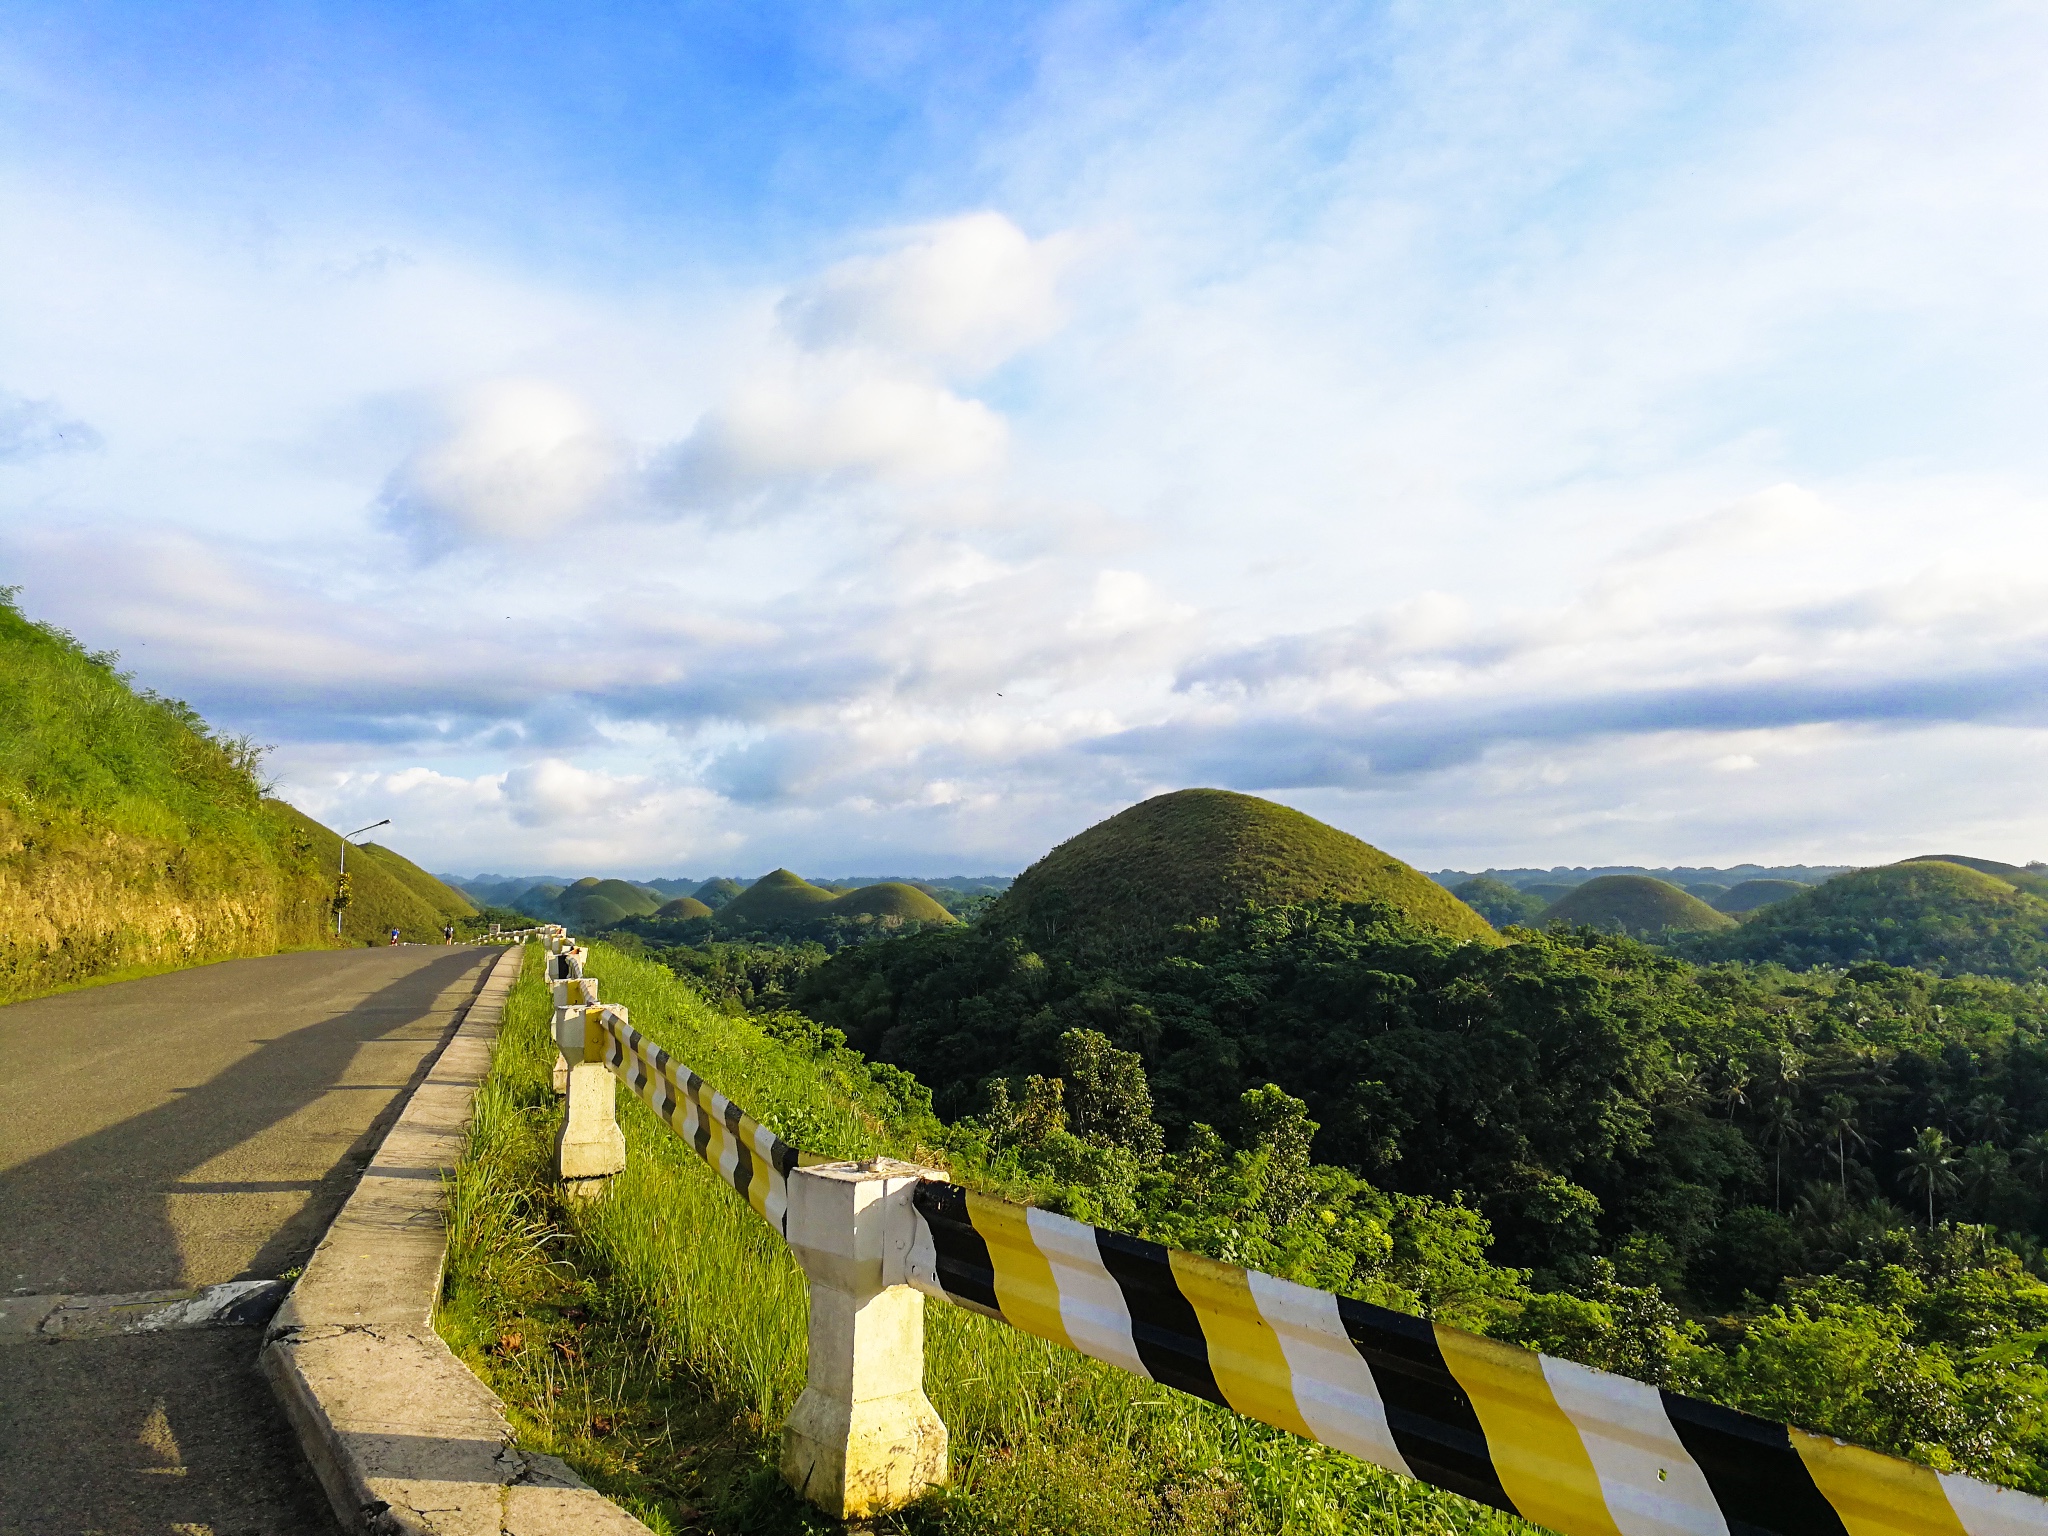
(1928, 914)
(1636, 905)
(1123, 884)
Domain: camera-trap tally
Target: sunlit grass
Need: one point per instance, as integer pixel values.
(656, 1340)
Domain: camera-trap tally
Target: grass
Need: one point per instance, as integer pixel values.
(656, 1340)
(1637, 905)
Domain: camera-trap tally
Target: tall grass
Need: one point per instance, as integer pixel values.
(656, 1339)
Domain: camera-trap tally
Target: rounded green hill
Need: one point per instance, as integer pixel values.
(1125, 883)
(2031, 881)
(595, 903)
(717, 892)
(1752, 895)
(1498, 902)
(777, 897)
(1635, 905)
(1926, 913)
(891, 899)
(681, 910)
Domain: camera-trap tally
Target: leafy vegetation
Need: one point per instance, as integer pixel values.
(1934, 915)
(655, 1340)
(1498, 902)
(1635, 905)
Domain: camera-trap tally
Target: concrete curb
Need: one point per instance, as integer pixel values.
(404, 1437)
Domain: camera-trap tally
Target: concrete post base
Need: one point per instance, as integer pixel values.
(561, 1075)
(592, 1145)
(863, 1439)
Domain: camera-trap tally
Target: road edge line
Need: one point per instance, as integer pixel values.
(402, 1435)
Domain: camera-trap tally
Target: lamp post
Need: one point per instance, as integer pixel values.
(359, 831)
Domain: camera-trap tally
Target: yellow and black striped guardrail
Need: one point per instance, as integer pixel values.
(1584, 1452)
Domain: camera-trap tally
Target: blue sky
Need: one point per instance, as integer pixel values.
(702, 438)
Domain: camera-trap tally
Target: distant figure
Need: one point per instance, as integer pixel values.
(447, 933)
(394, 935)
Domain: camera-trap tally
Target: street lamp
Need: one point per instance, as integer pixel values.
(359, 831)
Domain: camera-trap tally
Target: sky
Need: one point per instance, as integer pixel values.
(697, 438)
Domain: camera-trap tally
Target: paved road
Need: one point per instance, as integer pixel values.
(181, 1131)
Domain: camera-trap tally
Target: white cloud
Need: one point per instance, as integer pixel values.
(520, 459)
(551, 793)
(817, 422)
(965, 293)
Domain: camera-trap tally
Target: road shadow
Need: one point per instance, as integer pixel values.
(98, 1206)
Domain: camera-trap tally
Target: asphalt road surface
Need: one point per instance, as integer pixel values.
(178, 1132)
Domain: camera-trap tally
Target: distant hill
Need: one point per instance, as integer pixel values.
(682, 910)
(1684, 876)
(716, 893)
(1709, 891)
(133, 837)
(1933, 915)
(1635, 905)
(1124, 883)
(777, 897)
(594, 903)
(1498, 902)
(890, 899)
(2033, 881)
(1752, 895)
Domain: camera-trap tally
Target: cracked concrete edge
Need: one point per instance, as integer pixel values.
(403, 1436)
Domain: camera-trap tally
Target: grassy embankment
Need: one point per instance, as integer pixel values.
(135, 840)
(656, 1341)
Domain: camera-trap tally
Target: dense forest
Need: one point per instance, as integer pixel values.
(1767, 1160)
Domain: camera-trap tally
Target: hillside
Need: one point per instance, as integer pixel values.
(716, 893)
(1928, 914)
(594, 903)
(890, 899)
(1635, 905)
(1498, 902)
(132, 837)
(1754, 894)
(1124, 883)
(682, 910)
(2032, 881)
(777, 897)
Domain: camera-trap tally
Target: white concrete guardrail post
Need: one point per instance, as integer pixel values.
(592, 1147)
(577, 994)
(863, 1439)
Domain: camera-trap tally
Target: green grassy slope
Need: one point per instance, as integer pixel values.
(1751, 895)
(1635, 905)
(435, 892)
(1201, 853)
(2033, 882)
(890, 899)
(133, 838)
(682, 909)
(1928, 914)
(776, 897)
(386, 890)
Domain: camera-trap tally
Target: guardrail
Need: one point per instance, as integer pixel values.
(1583, 1452)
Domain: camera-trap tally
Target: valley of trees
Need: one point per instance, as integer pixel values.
(1769, 1161)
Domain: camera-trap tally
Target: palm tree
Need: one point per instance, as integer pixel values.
(2032, 1157)
(1987, 1116)
(1930, 1165)
(1839, 1125)
(1781, 1126)
(1984, 1168)
(1733, 1083)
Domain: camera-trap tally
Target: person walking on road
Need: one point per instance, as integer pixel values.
(394, 935)
(447, 933)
